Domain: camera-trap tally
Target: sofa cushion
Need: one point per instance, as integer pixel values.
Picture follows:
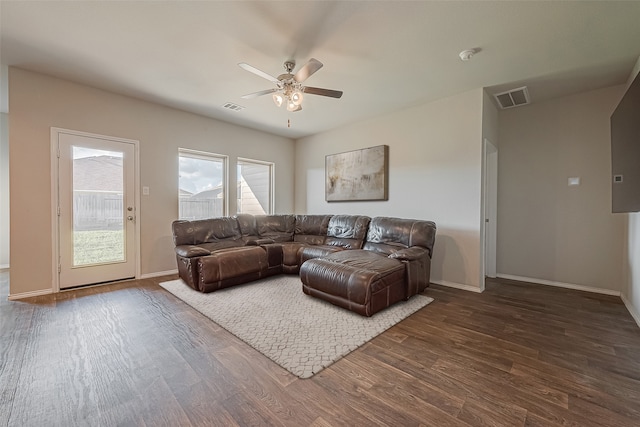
(347, 231)
(247, 226)
(316, 251)
(205, 230)
(389, 235)
(278, 228)
(311, 229)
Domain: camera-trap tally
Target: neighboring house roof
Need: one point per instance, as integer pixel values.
(214, 193)
(99, 173)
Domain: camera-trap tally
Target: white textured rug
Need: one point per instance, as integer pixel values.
(298, 332)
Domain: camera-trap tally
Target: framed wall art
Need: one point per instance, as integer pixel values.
(357, 175)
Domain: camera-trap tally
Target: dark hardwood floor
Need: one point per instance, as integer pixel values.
(133, 354)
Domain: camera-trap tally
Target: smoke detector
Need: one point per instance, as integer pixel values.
(466, 55)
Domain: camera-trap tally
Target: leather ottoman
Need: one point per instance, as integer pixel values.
(358, 280)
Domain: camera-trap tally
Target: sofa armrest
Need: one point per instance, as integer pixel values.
(190, 251)
(410, 254)
(259, 242)
(418, 264)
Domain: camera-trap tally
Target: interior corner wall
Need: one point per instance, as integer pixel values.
(547, 230)
(631, 248)
(489, 119)
(4, 166)
(4, 190)
(38, 102)
(435, 156)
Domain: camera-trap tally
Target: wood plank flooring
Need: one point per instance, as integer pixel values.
(131, 354)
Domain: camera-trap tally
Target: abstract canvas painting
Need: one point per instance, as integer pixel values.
(357, 175)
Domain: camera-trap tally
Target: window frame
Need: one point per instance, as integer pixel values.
(272, 167)
(205, 155)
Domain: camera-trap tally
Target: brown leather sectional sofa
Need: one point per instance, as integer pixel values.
(353, 261)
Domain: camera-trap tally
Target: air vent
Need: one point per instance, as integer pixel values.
(232, 106)
(513, 98)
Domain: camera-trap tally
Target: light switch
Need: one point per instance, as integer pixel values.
(574, 180)
(145, 191)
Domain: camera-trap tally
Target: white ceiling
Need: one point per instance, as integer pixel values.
(384, 55)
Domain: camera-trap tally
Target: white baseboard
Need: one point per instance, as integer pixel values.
(632, 310)
(457, 286)
(158, 274)
(560, 284)
(13, 297)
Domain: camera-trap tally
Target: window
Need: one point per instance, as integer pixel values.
(202, 187)
(255, 189)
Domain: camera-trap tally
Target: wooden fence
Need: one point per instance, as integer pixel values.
(97, 210)
(191, 209)
(105, 211)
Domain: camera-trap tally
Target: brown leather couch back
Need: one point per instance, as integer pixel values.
(347, 231)
(388, 235)
(205, 231)
(278, 228)
(311, 229)
(247, 225)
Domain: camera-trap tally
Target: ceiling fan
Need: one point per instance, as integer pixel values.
(289, 88)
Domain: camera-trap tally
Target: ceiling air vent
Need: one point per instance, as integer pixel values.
(232, 106)
(513, 98)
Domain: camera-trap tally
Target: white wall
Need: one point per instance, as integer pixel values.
(39, 102)
(548, 231)
(435, 154)
(631, 266)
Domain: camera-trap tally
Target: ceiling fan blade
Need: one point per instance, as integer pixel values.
(307, 70)
(323, 92)
(257, 94)
(257, 72)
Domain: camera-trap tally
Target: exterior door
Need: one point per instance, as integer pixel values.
(96, 209)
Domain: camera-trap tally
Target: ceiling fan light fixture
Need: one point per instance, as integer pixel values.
(278, 99)
(289, 87)
(293, 107)
(296, 97)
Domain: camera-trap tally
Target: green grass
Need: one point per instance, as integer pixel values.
(98, 246)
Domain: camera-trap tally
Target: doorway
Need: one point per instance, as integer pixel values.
(95, 209)
(490, 202)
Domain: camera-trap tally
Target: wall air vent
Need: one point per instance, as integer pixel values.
(513, 98)
(232, 106)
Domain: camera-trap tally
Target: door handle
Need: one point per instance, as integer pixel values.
(130, 217)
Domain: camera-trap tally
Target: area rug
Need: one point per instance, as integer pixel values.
(300, 333)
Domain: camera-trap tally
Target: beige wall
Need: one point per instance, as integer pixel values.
(40, 102)
(435, 155)
(547, 230)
